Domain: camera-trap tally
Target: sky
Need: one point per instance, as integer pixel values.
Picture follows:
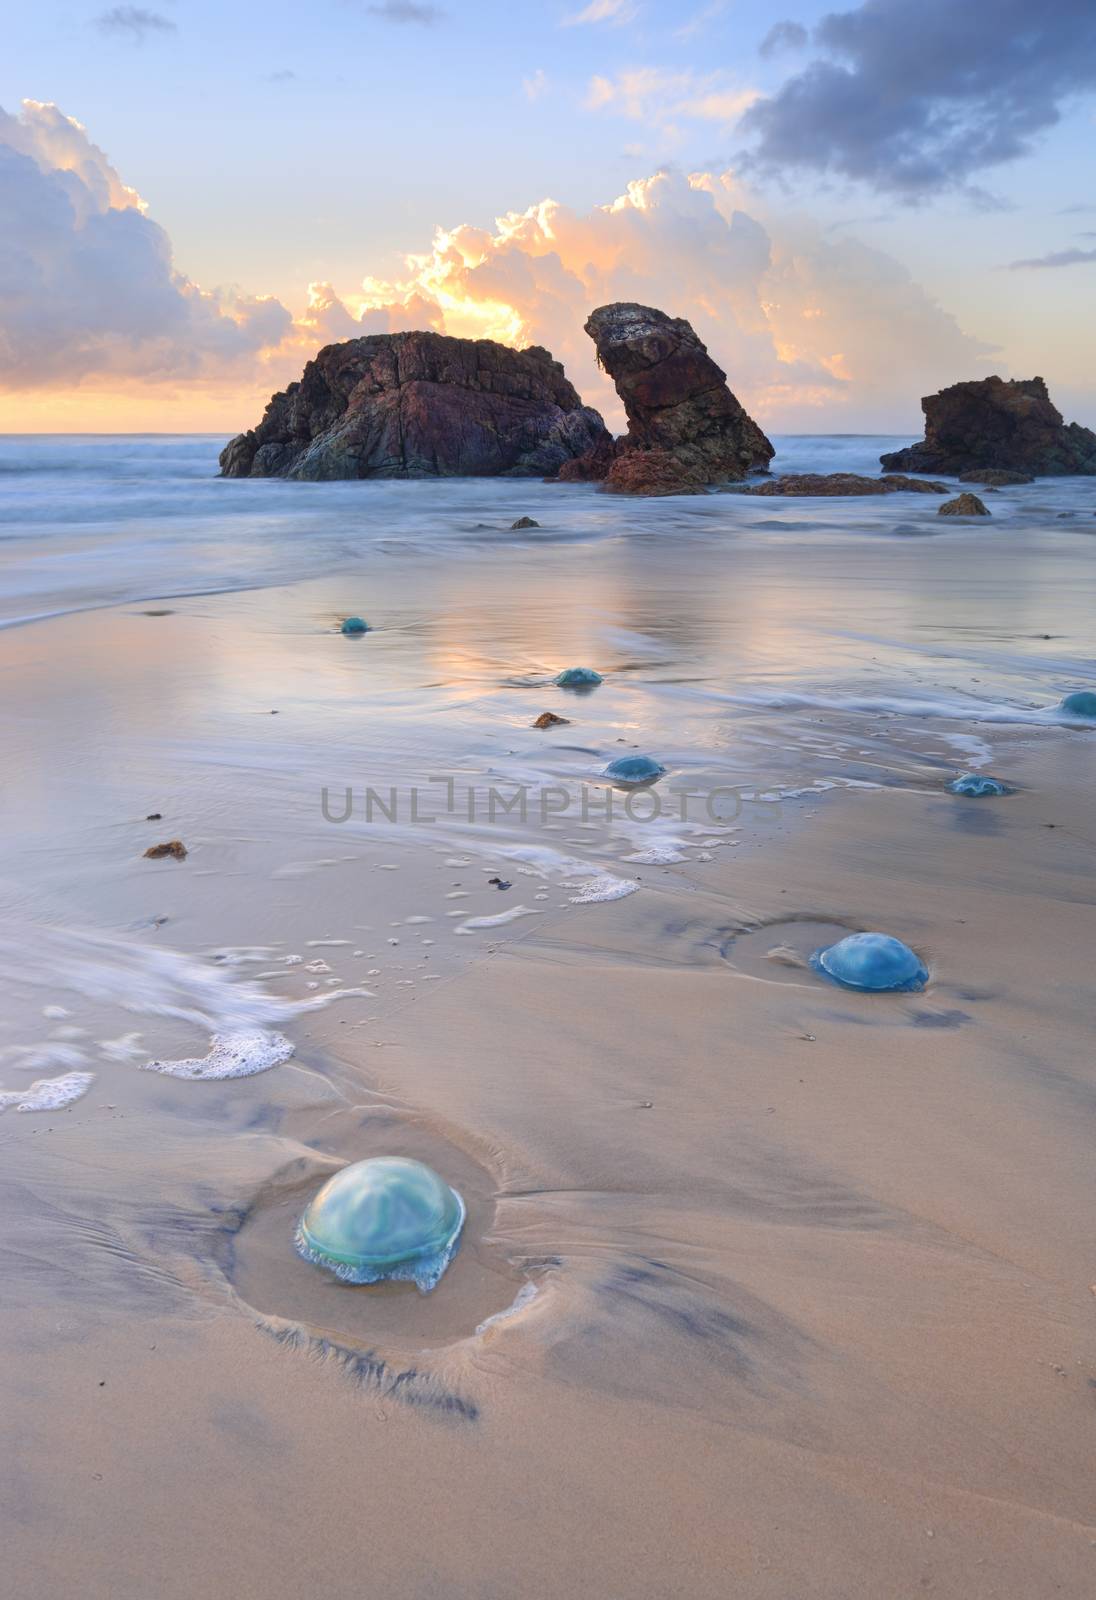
(852, 206)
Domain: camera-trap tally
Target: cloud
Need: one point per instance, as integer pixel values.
(285, 75)
(802, 324)
(1057, 258)
(614, 11)
(88, 286)
(1070, 211)
(916, 96)
(658, 96)
(783, 36)
(407, 13)
(135, 21)
(697, 23)
(535, 85)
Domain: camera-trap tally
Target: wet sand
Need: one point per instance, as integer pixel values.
(767, 1288)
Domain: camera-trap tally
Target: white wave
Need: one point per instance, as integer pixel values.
(48, 1094)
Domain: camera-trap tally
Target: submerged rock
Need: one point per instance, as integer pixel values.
(825, 483)
(990, 423)
(419, 405)
(354, 625)
(578, 678)
(173, 847)
(685, 427)
(964, 505)
(875, 961)
(632, 772)
(995, 477)
(524, 522)
(977, 785)
(387, 1217)
(548, 719)
(1081, 703)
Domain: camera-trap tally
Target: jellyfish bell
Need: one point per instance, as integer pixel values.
(632, 772)
(578, 678)
(354, 625)
(387, 1217)
(874, 961)
(977, 785)
(1081, 703)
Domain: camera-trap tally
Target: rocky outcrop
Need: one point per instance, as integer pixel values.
(685, 427)
(817, 483)
(964, 505)
(420, 405)
(991, 423)
(995, 477)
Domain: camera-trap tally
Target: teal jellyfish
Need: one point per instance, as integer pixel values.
(1081, 703)
(388, 1217)
(871, 961)
(354, 625)
(631, 772)
(977, 785)
(578, 678)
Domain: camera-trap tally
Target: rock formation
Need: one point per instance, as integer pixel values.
(685, 427)
(991, 423)
(845, 483)
(964, 505)
(995, 477)
(420, 405)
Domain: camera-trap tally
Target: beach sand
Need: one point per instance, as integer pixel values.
(767, 1289)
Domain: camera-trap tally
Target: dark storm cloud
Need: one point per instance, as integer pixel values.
(133, 22)
(1057, 258)
(783, 36)
(916, 96)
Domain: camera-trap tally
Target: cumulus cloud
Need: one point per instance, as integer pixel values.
(917, 96)
(87, 281)
(535, 85)
(133, 21)
(1057, 258)
(800, 323)
(659, 96)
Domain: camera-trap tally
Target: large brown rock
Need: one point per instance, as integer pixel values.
(685, 427)
(825, 483)
(419, 405)
(991, 423)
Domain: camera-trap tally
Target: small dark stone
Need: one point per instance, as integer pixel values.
(548, 719)
(964, 505)
(153, 816)
(501, 883)
(524, 522)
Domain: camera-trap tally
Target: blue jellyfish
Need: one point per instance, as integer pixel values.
(578, 678)
(977, 785)
(354, 625)
(633, 771)
(871, 961)
(1081, 703)
(388, 1217)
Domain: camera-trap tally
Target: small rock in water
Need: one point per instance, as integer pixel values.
(384, 1218)
(964, 505)
(548, 719)
(875, 961)
(154, 816)
(353, 625)
(977, 785)
(578, 678)
(174, 847)
(501, 883)
(994, 477)
(633, 771)
(1081, 703)
(524, 522)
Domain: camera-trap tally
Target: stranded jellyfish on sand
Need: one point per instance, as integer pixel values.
(388, 1217)
(871, 961)
(578, 678)
(354, 625)
(977, 785)
(1081, 703)
(632, 771)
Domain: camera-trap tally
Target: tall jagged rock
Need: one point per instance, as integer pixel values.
(685, 427)
(419, 405)
(989, 423)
